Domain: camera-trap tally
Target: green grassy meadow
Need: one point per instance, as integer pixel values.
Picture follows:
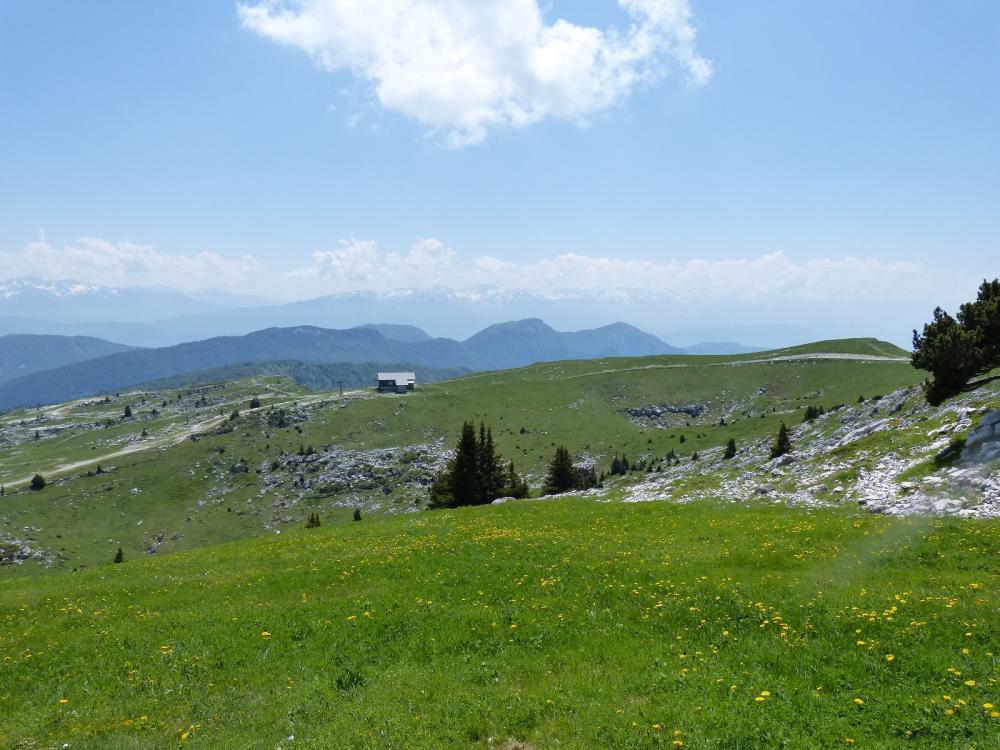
(183, 489)
(540, 624)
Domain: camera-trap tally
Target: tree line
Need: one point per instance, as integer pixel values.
(956, 349)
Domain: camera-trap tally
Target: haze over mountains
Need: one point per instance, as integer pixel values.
(160, 317)
(496, 347)
(22, 355)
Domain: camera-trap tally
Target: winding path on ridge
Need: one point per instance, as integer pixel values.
(755, 361)
(171, 438)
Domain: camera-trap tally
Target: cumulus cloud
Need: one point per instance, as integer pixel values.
(769, 276)
(102, 263)
(466, 67)
(360, 265)
(428, 263)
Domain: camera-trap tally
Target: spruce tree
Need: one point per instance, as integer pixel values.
(782, 443)
(476, 474)
(730, 451)
(490, 471)
(562, 475)
(37, 482)
(128, 411)
(120, 556)
(465, 468)
(514, 484)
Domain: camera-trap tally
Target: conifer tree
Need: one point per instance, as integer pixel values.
(730, 451)
(476, 474)
(465, 468)
(514, 484)
(120, 556)
(955, 349)
(562, 475)
(782, 443)
(490, 471)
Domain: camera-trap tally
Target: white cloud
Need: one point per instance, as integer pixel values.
(771, 277)
(360, 265)
(466, 67)
(102, 263)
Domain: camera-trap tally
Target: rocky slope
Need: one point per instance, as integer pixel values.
(897, 455)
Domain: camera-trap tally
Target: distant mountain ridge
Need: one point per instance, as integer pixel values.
(69, 301)
(500, 346)
(24, 354)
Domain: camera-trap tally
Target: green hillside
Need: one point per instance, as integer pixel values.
(535, 624)
(182, 473)
(314, 376)
(24, 354)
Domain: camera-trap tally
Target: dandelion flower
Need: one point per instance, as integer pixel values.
(890, 657)
(858, 702)
(265, 634)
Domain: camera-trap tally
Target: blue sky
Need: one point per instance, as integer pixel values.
(826, 131)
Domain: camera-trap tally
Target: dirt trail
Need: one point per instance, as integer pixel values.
(826, 355)
(171, 438)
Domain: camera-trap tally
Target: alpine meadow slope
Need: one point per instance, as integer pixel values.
(745, 602)
(195, 464)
